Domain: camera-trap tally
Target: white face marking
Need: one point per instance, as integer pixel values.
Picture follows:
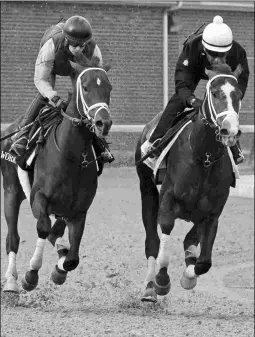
(227, 89)
(98, 81)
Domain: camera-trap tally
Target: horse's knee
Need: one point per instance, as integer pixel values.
(43, 227)
(12, 243)
(202, 267)
(70, 264)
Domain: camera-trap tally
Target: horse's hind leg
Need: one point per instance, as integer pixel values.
(13, 196)
(39, 208)
(150, 204)
(190, 249)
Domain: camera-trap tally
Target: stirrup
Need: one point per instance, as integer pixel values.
(240, 159)
(107, 157)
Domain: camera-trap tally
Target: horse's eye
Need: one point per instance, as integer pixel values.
(85, 89)
(99, 124)
(214, 93)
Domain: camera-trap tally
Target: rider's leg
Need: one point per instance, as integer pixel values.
(237, 153)
(173, 107)
(21, 138)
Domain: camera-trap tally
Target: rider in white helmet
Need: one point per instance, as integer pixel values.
(199, 52)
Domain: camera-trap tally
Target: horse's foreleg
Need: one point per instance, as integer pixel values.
(150, 204)
(39, 208)
(12, 201)
(56, 238)
(70, 260)
(207, 233)
(166, 221)
(190, 249)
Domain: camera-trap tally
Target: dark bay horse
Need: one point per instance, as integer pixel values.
(63, 182)
(196, 185)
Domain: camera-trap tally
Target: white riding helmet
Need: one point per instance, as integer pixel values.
(217, 36)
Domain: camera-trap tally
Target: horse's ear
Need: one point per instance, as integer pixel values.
(108, 65)
(238, 70)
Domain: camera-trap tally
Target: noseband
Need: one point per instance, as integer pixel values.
(85, 117)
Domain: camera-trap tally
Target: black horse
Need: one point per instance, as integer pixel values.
(196, 185)
(63, 181)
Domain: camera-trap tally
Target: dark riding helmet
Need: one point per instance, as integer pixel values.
(77, 30)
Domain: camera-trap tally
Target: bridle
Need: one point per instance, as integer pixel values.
(85, 116)
(213, 114)
(213, 124)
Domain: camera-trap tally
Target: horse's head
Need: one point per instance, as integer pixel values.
(223, 101)
(93, 90)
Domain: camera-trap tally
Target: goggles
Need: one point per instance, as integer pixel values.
(215, 53)
(76, 44)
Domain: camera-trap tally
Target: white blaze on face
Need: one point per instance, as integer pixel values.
(230, 122)
(98, 81)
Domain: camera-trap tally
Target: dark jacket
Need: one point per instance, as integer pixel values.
(63, 56)
(191, 64)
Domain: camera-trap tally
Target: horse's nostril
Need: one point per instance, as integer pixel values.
(99, 124)
(224, 132)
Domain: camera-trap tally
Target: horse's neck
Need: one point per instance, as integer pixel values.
(203, 139)
(69, 134)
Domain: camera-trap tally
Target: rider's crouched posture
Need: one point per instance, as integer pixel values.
(58, 47)
(198, 53)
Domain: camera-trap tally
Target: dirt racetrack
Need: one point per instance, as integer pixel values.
(102, 296)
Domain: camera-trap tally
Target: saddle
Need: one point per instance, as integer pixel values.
(47, 118)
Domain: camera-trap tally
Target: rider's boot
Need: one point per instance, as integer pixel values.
(173, 107)
(237, 153)
(102, 150)
(20, 140)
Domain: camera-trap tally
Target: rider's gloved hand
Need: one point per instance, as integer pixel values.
(193, 102)
(59, 102)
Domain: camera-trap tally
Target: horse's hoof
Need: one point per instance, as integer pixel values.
(149, 295)
(188, 283)
(30, 281)
(28, 286)
(11, 287)
(162, 283)
(162, 290)
(58, 276)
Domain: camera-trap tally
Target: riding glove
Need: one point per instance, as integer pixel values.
(193, 102)
(59, 102)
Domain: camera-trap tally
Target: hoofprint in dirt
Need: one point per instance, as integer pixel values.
(102, 296)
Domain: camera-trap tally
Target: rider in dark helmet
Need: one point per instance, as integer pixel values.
(59, 46)
(199, 52)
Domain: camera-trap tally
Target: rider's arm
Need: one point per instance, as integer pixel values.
(185, 73)
(97, 53)
(43, 78)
